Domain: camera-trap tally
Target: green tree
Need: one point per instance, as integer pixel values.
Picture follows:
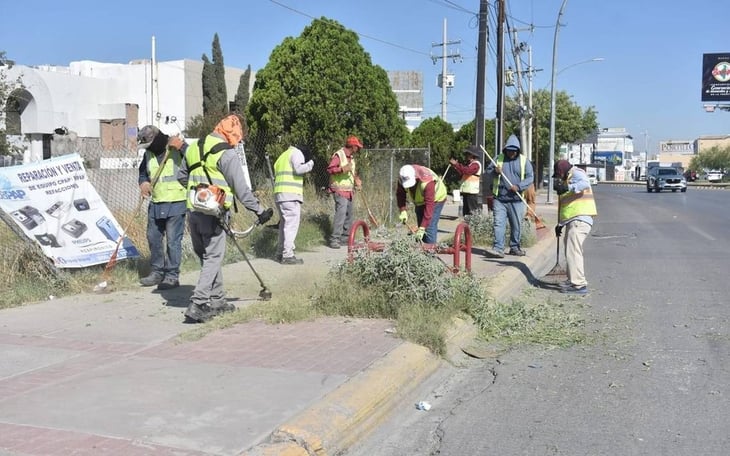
(572, 123)
(319, 88)
(215, 96)
(714, 158)
(242, 95)
(439, 135)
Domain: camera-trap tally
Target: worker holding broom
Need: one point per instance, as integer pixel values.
(344, 180)
(212, 173)
(576, 209)
(166, 210)
(512, 174)
(471, 173)
(428, 193)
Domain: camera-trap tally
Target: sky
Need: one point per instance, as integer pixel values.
(648, 81)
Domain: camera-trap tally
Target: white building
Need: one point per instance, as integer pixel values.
(101, 105)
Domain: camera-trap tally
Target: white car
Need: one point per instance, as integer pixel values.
(592, 179)
(714, 176)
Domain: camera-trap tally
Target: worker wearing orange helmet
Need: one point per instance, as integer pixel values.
(428, 194)
(343, 183)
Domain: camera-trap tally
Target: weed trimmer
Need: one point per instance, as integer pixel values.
(539, 224)
(105, 275)
(265, 293)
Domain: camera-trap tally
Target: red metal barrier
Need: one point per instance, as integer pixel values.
(462, 243)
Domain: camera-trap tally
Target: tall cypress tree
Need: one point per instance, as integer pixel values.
(219, 73)
(242, 95)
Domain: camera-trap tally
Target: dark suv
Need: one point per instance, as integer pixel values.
(665, 178)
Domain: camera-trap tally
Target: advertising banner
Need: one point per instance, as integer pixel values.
(716, 77)
(56, 206)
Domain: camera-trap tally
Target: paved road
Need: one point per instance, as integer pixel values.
(654, 380)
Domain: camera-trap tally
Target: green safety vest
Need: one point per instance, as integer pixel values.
(571, 205)
(343, 181)
(286, 181)
(423, 174)
(167, 188)
(500, 161)
(200, 162)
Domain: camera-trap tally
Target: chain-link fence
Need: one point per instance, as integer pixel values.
(114, 175)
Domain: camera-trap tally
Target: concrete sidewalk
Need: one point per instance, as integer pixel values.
(106, 374)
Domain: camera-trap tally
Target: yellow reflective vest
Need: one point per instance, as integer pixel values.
(204, 163)
(571, 204)
(500, 161)
(343, 181)
(470, 182)
(286, 181)
(167, 189)
(425, 176)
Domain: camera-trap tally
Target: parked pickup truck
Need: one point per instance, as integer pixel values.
(665, 178)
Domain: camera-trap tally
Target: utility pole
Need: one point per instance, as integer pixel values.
(445, 81)
(499, 127)
(481, 83)
(518, 48)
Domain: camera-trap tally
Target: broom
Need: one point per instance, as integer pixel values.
(101, 286)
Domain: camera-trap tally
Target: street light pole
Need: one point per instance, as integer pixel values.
(551, 152)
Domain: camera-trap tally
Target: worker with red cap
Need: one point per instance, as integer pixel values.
(343, 183)
(576, 209)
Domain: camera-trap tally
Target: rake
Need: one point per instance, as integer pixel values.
(557, 270)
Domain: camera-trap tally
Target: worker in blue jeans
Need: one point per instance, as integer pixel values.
(512, 175)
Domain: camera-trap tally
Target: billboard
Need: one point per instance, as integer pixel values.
(677, 147)
(716, 77)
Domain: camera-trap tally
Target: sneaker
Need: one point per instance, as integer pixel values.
(565, 284)
(494, 253)
(575, 290)
(278, 258)
(168, 284)
(292, 260)
(334, 245)
(151, 280)
(516, 252)
(199, 313)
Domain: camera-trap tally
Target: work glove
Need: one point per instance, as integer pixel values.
(420, 233)
(558, 230)
(403, 217)
(561, 187)
(265, 216)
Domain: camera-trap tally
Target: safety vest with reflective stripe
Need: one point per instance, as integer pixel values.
(343, 181)
(197, 167)
(286, 181)
(167, 188)
(500, 161)
(571, 204)
(425, 176)
(470, 182)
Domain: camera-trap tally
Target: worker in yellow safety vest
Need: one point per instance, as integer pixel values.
(576, 209)
(428, 193)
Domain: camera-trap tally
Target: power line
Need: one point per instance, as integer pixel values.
(356, 32)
